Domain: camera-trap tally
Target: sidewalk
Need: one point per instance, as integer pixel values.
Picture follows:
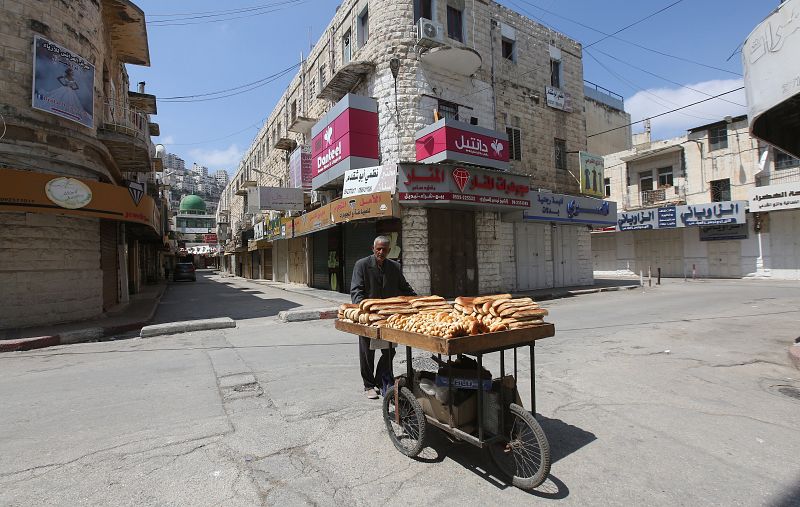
(128, 317)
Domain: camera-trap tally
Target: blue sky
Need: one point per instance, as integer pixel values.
(190, 59)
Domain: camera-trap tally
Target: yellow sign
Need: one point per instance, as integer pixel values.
(359, 207)
(30, 192)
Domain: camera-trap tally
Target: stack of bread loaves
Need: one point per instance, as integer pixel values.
(502, 309)
(375, 311)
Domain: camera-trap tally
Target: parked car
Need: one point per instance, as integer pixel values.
(184, 271)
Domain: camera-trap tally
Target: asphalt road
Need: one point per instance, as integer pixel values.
(680, 395)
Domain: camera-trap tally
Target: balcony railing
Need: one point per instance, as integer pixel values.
(657, 197)
(778, 177)
(123, 118)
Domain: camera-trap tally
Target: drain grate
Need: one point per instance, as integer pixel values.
(791, 392)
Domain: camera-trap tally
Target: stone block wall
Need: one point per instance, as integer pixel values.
(496, 260)
(585, 273)
(416, 267)
(49, 269)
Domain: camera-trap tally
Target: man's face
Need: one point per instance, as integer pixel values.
(381, 250)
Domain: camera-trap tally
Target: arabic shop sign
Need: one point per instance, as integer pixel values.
(443, 184)
(774, 197)
(359, 207)
(457, 141)
(591, 171)
(550, 207)
(345, 138)
(258, 230)
(274, 198)
(671, 217)
(369, 180)
(723, 232)
(558, 99)
(313, 221)
(300, 168)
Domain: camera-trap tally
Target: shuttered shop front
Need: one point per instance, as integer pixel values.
(358, 238)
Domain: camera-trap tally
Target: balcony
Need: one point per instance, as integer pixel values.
(302, 125)
(285, 143)
(666, 196)
(242, 190)
(126, 133)
(344, 79)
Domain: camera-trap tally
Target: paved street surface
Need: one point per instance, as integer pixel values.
(680, 395)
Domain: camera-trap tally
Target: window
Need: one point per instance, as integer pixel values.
(346, 47)
(312, 87)
(423, 9)
(721, 190)
(607, 185)
(665, 177)
(514, 143)
(279, 132)
(718, 138)
(508, 47)
(560, 154)
(363, 27)
(473, 120)
(645, 181)
(447, 110)
(555, 73)
(455, 23)
(785, 161)
(322, 77)
(294, 110)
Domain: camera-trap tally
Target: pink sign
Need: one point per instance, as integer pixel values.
(458, 141)
(353, 133)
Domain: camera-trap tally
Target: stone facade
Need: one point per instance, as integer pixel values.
(50, 265)
(507, 90)
(41, 255)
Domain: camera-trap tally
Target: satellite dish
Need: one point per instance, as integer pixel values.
(160, 150)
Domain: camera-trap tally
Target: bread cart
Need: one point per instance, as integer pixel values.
(518, 447)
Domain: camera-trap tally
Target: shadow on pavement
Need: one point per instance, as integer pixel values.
(564, 439)
(208, 299)
(790, 497)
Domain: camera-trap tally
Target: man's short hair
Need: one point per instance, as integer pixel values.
(382, 239)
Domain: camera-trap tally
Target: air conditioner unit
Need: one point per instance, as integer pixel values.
(430, 30)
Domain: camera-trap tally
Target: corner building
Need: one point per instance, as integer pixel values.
(81, 221)
(387, 86)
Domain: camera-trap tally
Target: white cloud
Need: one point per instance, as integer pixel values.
(217, 159)
(658, 100)
(166, 140)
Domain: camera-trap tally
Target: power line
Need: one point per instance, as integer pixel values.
(640, 46)
(660, 100)
(218, 12)
(666, 112)
(276, 7)
(259, 122)
(275, 77)
(177, 97)
(662, 77)
(634, 23)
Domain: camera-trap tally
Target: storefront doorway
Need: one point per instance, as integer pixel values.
(452, 252)
(565, 255)
(531, 256)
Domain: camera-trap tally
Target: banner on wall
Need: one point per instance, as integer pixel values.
(63, 82)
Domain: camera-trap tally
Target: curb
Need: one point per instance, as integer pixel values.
(302, 315)
(794, 354)
(186, 326)
(87, 334)
(36, 342)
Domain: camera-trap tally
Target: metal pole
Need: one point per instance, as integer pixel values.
(649, 276)
(533, 381)
(641, 279)
(450, 390)
(694, 272)
(659, 276)
(515, 364)
(480, 398)
(409, 369)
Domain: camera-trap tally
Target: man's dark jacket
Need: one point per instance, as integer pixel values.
(369, 283)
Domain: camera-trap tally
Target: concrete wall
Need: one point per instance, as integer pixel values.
(49, 269)
(601, 117)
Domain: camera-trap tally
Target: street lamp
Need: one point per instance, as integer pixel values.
(394, 66)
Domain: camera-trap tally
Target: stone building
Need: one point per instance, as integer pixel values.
(81, 225)
(608, 126)
(398, 68)
(713, 203)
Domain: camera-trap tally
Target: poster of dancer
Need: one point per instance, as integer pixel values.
(63, 82)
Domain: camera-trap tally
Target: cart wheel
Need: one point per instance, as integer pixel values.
(409, 435)
(525, 454)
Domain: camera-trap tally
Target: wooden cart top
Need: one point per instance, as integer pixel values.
(450, 346)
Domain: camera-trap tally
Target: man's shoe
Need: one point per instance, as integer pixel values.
(371, 393)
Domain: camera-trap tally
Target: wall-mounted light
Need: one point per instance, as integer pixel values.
(394, 66)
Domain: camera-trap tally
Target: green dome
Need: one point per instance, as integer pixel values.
(193, 203)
